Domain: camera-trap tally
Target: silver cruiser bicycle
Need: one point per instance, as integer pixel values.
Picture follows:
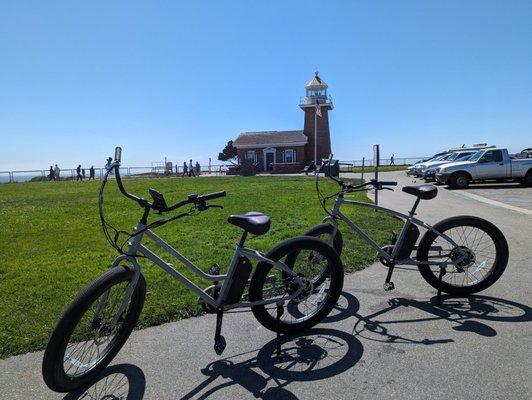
(281, 290)
(460, 255)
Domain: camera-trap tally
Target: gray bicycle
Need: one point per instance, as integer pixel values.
(280, 289)
(460, 255)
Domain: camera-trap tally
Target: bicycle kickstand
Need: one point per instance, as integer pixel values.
(280, 311)
(442, 273)
(219, 340)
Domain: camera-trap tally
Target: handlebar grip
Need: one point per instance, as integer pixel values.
(211, 196)
(388, 183)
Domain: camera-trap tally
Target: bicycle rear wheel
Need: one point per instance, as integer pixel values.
(308, 257)
(486, 252)
(82, 344)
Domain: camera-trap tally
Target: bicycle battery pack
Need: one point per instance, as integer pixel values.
(409, 242)
(239, 280)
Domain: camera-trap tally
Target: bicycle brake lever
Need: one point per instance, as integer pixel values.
(387, 188)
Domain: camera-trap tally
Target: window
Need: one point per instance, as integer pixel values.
(492, 156)
(289, 156)
(251, 156)
(463, 156)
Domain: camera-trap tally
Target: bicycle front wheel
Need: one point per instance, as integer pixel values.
(485, 249)
(85, 340)
(308, 257)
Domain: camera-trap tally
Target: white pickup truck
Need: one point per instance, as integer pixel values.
(485, 165)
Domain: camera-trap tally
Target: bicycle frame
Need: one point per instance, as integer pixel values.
(136, 246)
(409, 219)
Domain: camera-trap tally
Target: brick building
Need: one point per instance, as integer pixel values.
(291, 151)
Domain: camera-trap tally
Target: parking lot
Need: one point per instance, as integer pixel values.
(512, 194)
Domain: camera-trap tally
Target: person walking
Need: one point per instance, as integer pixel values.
(185, 169)
(51, 175)
(198, 169)
(91, 173)
(191, 169)
(57, 172)
(392, 161)
(78, 173)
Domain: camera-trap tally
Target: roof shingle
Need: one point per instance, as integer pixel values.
(270, 138)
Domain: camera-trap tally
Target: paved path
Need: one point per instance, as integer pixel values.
(377, 345)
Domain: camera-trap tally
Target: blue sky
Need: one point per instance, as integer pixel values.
(179, 79)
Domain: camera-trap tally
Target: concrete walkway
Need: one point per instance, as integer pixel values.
(376, 345)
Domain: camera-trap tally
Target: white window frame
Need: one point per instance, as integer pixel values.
(251, 159)
(294, 157)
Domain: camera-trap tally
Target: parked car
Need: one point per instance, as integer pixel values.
(410, 169)
(430, 167)
(485, 165)
(418, 170)
(526, 153)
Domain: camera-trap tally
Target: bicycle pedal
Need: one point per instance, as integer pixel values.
(219, 344)
(388, 286)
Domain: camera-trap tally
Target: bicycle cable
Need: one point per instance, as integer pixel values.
(114, 236)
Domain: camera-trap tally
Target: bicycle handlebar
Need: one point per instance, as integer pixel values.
(211, 196)
(200, 200)
(379, 185)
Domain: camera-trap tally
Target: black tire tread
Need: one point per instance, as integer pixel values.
(500, 262)
(295, 245)
(52, 365)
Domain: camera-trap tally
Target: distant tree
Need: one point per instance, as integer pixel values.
(228, 153)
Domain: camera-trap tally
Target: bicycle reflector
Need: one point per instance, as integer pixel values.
(118, 154)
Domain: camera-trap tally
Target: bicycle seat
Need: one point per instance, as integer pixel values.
(253, 222)
(424, 192)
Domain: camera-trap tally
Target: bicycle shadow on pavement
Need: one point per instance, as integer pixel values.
(121, 381)
(465, 314)
(346, 306)
(317, 354)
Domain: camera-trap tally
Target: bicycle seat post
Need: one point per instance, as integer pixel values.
(412, 212)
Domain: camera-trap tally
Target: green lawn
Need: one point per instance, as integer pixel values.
(51, 243)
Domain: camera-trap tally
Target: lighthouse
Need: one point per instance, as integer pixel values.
(316, 128)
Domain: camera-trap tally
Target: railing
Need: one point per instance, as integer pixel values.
(177, 170)
(311, 100)
(383, 161)
(39, 175)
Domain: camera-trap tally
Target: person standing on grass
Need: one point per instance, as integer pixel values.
(57, 172)
(392, 161)
(51, 175)
(78, 173)
(185, 169)
(91, 173)
(191, 169)
(198, 168)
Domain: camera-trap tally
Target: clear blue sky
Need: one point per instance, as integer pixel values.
(179, 79)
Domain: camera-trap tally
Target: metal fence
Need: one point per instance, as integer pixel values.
(383, 161)
(126, 172)
(159, 171)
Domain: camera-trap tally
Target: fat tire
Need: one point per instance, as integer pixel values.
(501, 258)
(291, 248)
(321, 229)
(52, 366)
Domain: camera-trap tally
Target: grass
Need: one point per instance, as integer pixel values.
(52, 245)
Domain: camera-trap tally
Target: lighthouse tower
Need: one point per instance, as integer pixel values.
(316, 128)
